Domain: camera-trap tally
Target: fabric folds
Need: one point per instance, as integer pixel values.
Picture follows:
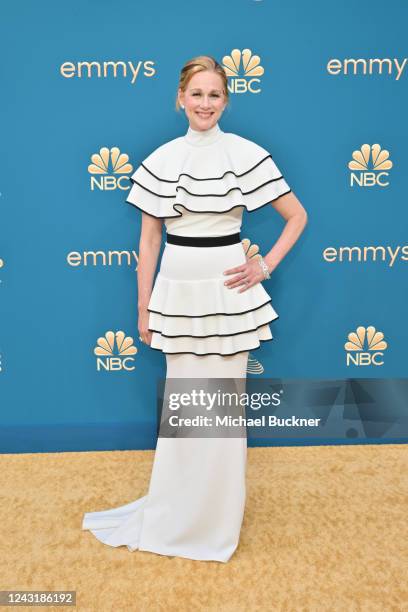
(230, 172)
(192, 311)
(213, 345)
(212, 325)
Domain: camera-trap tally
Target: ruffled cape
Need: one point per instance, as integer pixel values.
(230, 172)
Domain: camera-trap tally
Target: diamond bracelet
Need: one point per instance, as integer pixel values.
(264, 267)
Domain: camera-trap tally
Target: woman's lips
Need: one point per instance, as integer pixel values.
(204, 115)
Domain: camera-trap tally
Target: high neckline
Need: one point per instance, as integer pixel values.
(201, 138)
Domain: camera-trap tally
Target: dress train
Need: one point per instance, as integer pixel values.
(196, 498)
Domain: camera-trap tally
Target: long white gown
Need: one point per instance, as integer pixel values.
(195, 502)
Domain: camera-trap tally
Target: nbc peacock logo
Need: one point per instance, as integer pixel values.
(365, 347)
(244, 70)
(370, 165)
(251, 250)
(115, 352)
(254, 366)
(109, 170)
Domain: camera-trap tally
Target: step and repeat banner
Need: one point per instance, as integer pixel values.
(88, 91)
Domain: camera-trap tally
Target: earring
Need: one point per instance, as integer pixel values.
(182, 106)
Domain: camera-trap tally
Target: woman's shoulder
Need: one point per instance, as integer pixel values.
(166, 148)
(241, 152)
(236, 141)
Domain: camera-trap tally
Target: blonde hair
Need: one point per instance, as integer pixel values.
(199, 64)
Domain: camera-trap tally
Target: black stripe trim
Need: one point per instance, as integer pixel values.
(218, 212)
(246, 331)
(208, 195)
(210, 314)
(253, 348)
(216, 178)
(203, 241)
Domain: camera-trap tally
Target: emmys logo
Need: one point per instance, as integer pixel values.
(107, 163)
(366, 176)
(365, 347)
(385, 253)
(243, 67)
(108, 359)
(367, 67)
(108, 69)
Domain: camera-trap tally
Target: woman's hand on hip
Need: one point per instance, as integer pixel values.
(247, 275)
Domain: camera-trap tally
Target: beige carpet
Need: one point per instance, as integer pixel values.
(325, 529)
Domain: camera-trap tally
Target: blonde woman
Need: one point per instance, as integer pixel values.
(205, 311)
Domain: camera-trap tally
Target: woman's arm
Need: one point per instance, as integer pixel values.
(149, 249)
(289, 207)
(250, 273)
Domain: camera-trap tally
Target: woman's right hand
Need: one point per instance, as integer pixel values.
(143, 325)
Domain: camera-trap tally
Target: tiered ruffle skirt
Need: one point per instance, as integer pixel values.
(192, 311)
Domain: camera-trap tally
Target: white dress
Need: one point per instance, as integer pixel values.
(199, 185)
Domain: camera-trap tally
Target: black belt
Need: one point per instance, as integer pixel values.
(203, 241)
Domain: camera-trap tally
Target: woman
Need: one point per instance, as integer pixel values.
(206, 311)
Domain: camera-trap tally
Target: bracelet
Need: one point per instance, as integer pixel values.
(264, 267)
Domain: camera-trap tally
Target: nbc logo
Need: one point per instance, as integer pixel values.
(106, 163)
(243, 68)
(251, 250)
(254, 366)
(365, 347)
(369, 172)
(105, 351)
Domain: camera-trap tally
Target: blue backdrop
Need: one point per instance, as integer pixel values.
(87, 84)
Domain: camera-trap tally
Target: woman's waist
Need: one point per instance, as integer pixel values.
(185, 262)
(203, 241)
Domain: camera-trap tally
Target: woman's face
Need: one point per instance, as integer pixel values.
(203, 100)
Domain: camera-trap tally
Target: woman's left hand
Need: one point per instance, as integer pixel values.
(248, 275)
